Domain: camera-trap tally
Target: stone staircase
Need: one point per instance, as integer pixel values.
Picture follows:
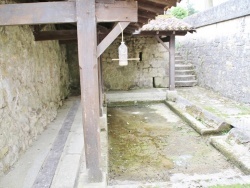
(184, 73)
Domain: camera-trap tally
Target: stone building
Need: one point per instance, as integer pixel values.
(35, 77)
(220, 49)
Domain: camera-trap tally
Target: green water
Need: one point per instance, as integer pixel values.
(149, 143)
(137, 144)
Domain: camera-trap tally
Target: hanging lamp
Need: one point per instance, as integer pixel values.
(123, 53)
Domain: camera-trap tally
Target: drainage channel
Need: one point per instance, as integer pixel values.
(148, 143)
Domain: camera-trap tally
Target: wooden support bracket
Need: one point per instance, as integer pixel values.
(162, 43)
(111, 37)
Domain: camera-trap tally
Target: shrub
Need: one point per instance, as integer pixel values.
(179, 12)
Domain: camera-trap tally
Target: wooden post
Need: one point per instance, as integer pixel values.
(172, 63)
(87, 43)
(100, 85)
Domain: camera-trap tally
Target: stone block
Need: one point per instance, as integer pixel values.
(152, 72)
(161, 82)
(171, 95)
(3, 152)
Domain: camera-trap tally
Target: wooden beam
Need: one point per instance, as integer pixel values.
(165, 39)
(172, 63)
(37, 13)
(111, 37)
(87, 41)
(143, 20)
(100, 81)
(120, 11)
(55, 35)
(63, 12)
(161, 2)
(68, 41)
(151, 8)
(147, 14)
(162, 43)
(105, 1)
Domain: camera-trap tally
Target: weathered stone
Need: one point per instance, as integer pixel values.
(3, 152)
(33, 82)
(161, 82)
(223, 63)
(171, 95)
(138, 74)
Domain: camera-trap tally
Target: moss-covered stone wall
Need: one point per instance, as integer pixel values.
(150, 71)
(34, 82)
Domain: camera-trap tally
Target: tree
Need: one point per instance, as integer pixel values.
(179, 12)
(190, 8)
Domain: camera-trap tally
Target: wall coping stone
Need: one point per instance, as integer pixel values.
(228, 10)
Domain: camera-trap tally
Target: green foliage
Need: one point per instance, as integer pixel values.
(179, 12)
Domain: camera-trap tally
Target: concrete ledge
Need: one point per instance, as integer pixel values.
(135, 96)
(237, 153)
(132, 103)
(200, 120)
(171, 95)
(226, 11)
(82, 179)
(83, 182)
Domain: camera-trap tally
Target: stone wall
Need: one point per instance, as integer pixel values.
(220, 50)
(74, 72)
(33, 84)
(150, 72)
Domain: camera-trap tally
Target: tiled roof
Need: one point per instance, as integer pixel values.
(167, 23)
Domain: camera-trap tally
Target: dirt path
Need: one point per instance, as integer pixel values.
(151, 144)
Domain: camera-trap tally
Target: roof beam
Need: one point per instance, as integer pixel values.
(37, 13)
(150, 8)
(105, 1)
(63, 12)
(161, 2)
(143, 20)
(56, 35)
(146, 13)
(120, 11)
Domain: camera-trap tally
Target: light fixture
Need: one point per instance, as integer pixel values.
(123, 53)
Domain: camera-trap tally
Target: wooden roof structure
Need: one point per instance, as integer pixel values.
(167, 23)
(165, 28)
(78, 20)
(66, 30)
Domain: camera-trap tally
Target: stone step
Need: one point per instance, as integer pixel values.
(184, 72)
(190, 83)
(185, 78)
(178, 57)
(184, 66)
(179, 61)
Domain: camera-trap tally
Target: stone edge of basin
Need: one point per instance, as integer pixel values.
(231, 151)
(82, 179)
(218, 124)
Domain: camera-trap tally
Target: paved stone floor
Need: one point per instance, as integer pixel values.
(53, 159)
(25, 172)
(235, 113)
